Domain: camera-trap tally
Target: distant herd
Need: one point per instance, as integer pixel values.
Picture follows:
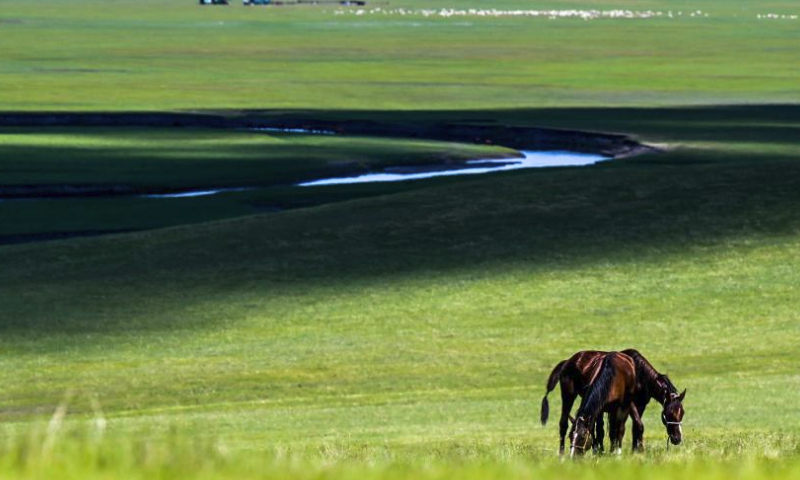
(620, 384)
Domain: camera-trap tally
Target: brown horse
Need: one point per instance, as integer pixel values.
(611, 389)
(651, 384)
(574, 376)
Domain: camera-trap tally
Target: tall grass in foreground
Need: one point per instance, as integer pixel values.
(87, 450)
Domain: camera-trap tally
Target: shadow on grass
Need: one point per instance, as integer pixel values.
(756, 123)
(629, 210)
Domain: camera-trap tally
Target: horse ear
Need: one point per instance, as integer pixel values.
(682, 395)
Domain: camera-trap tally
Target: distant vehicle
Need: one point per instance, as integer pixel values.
(213, 2)
(256, 2)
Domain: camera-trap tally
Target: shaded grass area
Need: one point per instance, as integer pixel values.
(163, 160)
(771, 125)
(173, 159)
(177, 158)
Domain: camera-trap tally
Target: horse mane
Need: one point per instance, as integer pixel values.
(595, 398)
(647, 373)
(670, 385)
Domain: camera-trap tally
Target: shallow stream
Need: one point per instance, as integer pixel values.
(530, 159)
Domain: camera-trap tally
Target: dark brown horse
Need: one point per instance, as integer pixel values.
(611, 389)
(574, 376)
(652, 384)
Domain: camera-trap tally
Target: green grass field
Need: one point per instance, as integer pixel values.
(395, 331)
(173, 54)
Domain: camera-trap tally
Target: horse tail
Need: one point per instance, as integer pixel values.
(555, 375)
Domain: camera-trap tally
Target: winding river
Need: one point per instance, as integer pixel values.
(530, 159)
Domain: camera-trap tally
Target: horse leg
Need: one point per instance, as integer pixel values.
(567, 399)
(599, 435)
(622, 417)
(637, 430)
(613, 431)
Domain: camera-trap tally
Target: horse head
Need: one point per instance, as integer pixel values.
(672, 417)
(581, 436)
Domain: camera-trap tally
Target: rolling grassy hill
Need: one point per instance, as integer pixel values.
(261, 171)
(428, 319)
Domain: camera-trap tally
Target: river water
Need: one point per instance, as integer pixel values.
(530, 159)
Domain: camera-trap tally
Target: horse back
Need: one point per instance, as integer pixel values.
(583, 367)
(625, 385)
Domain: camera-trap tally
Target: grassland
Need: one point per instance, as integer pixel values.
(170, 54)
(148, 160)
(405, 332)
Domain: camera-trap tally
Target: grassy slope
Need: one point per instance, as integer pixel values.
(155, 159)
(198, 158)
(445, 313)
(422, 325)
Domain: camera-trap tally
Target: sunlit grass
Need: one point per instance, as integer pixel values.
(158, 55)
(395, 332)
(88, 452)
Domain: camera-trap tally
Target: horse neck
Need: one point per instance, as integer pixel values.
(652, 382)
(595, 398)
(661, 388)
(651, 379)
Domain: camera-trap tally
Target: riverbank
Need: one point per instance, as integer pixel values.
(517, 137)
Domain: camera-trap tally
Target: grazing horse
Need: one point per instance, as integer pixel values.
(574, 376)
(611, 389)
(651, 384)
